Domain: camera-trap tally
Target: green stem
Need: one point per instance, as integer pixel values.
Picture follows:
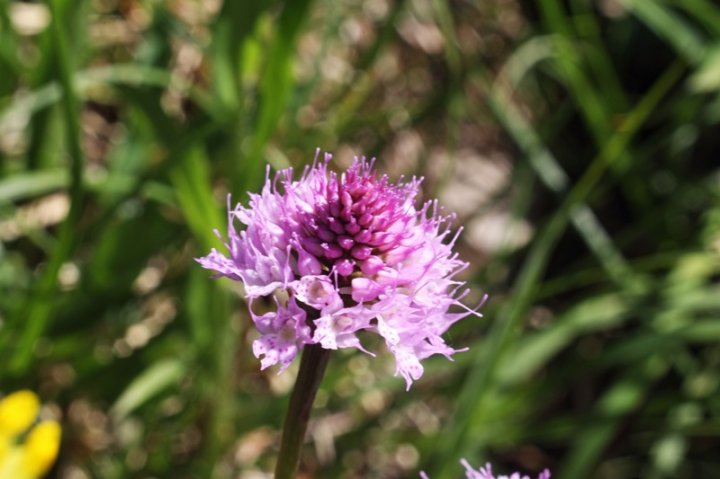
(312, 368)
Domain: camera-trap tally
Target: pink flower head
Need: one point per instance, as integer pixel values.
(352, 253)
(486, 473)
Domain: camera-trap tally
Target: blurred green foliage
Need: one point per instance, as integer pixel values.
(125, 123)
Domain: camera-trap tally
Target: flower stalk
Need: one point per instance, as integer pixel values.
(340, 254)
(312, 369)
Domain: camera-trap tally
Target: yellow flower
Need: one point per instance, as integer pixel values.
(27, 450)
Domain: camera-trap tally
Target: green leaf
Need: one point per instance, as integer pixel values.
(26, 185)
(191, 178)
(531, 354)
(158, 377)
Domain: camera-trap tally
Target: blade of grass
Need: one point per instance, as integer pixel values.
(589, 30)
(191, 179)
(482, 371)
(8, 51)
(596, 313)
(673, 28)
(22, 186)
(350, 96)
(554, 177)
(40, 305)
(570, 62)
(625, 396)
(236, 21)
(275, 89)
(157, 377)
(87, 80)
(447, 27)
(209, 313)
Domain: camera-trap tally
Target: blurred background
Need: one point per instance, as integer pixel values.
(576, 140)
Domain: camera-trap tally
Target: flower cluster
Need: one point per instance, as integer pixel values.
(486, 473)
(338, 254)
(27, 450)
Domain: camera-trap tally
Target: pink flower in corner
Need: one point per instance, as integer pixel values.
(486, 473)
(350, 253)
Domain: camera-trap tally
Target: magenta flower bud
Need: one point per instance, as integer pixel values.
(345, 267)
(345, 242)
(363, 236)
(325, 234)
(365, 219)
(313, 247)
(332, 251)
(346, 214)
(349, 253)
(336, 226)
(371, 265)
(352, 227)
(361, 252)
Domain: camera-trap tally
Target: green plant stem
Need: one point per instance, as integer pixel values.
(312, 368)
